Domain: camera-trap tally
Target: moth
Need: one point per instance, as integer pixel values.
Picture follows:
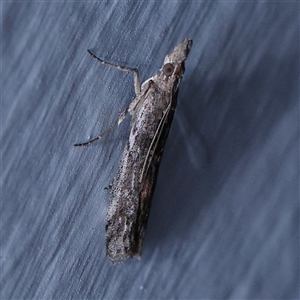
(152, 113)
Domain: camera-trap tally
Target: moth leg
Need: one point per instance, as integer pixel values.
(109, 187)
(137, 83)
(137, 87)
(111, 126)
(134, 104)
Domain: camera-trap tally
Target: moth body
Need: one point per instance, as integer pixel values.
(132, 187)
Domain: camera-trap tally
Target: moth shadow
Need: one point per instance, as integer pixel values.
(215, 125)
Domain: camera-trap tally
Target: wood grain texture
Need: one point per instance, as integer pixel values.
(224, 221)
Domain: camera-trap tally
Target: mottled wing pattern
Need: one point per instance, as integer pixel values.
(149, 180)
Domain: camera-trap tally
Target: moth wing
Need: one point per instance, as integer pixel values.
(150, 171)
(154, 143)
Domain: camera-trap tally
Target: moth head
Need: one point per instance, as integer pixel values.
(180, 52)
(174, 62)
(168, 69)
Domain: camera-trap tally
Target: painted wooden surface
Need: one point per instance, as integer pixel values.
(225, 216)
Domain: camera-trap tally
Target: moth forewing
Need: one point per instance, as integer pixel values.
(154, 143)
(132, 188)
(151, 173)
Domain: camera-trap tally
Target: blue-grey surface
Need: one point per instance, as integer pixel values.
(225, 216)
